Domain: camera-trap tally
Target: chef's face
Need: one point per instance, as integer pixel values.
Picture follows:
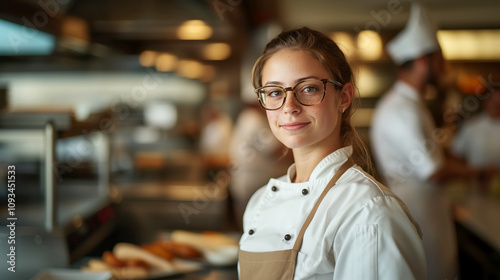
(437, 68)
(296, 125)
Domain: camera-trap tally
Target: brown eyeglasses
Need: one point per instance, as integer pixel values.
(309, 92)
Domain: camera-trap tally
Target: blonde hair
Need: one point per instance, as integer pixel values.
(327, 52)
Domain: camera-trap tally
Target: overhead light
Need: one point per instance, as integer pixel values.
(194, 30)
(345, 41)
(216, 51)
(75, 27)
(166, 62)
(191, 69)
(74, 35)
(369, 45)
(147, 58)
(371, 81)
(470, 44)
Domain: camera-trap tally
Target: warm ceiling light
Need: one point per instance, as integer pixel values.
(147, 58)
(191, 69)
(75, 27)
(166, 62)
(345, 41)
(194, 30)
(370, 82)
(369, 45)
(470, 44)
(216, 51)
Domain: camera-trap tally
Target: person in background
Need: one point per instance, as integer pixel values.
(215, 137)
(406, 143)
(477, 142)
(255, 155)
(326, 218)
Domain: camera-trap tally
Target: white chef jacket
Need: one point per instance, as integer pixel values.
(403, 138)
(477, 141)
(361, 230)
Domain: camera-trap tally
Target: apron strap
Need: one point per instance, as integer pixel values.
(348, 164)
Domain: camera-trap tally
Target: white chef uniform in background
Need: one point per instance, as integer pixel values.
(405, 153)
(478, 139)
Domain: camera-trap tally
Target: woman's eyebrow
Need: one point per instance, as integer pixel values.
(274, 83)
(305, 78)
(296, 81)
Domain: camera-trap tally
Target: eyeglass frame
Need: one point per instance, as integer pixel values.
(286, 89)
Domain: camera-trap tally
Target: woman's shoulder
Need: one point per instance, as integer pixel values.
(361, 180)
(371, 199)
(364, 191)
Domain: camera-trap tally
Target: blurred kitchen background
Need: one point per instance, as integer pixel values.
(118, 115)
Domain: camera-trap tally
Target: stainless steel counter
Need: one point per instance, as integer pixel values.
(480, 213)
(477, 219)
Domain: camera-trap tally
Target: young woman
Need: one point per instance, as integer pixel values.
(326, 218)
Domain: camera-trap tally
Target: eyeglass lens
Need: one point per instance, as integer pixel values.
(309, 92)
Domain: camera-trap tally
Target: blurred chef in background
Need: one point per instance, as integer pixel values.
(405, 144)
(215, 137)
(477, 139)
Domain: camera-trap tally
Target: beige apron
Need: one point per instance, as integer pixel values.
(280, 265)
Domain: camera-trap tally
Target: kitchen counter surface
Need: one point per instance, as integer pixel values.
(479, 212)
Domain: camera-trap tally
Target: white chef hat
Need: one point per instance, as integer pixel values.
(418, 38)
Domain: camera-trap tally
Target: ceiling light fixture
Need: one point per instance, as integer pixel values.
(194, 30)
(147, 58)
(470, 44)
(166, 62)
(191, 69)
(345, 41)
(216, 51)
(369, 45)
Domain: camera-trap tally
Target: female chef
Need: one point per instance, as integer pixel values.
(326, 218)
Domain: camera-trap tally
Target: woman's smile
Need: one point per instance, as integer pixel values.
(293, 126)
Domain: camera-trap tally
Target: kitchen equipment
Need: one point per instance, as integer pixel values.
(54, 220)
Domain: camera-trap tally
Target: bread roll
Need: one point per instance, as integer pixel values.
(127, 251)
(203, 241)
(111, 260)
(181, 250)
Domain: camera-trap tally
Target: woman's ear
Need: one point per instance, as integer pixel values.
(346, 96)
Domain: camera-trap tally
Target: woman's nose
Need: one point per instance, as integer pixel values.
(291, 104)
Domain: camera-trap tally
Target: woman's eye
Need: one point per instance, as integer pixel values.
(274, 93)
(309, 89)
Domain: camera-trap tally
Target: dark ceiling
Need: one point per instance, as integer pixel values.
(132, 26)
(129, 27)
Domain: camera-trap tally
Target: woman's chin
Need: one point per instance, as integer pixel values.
(296, 144)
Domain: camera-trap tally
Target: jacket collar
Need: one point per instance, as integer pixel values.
(326, 167)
